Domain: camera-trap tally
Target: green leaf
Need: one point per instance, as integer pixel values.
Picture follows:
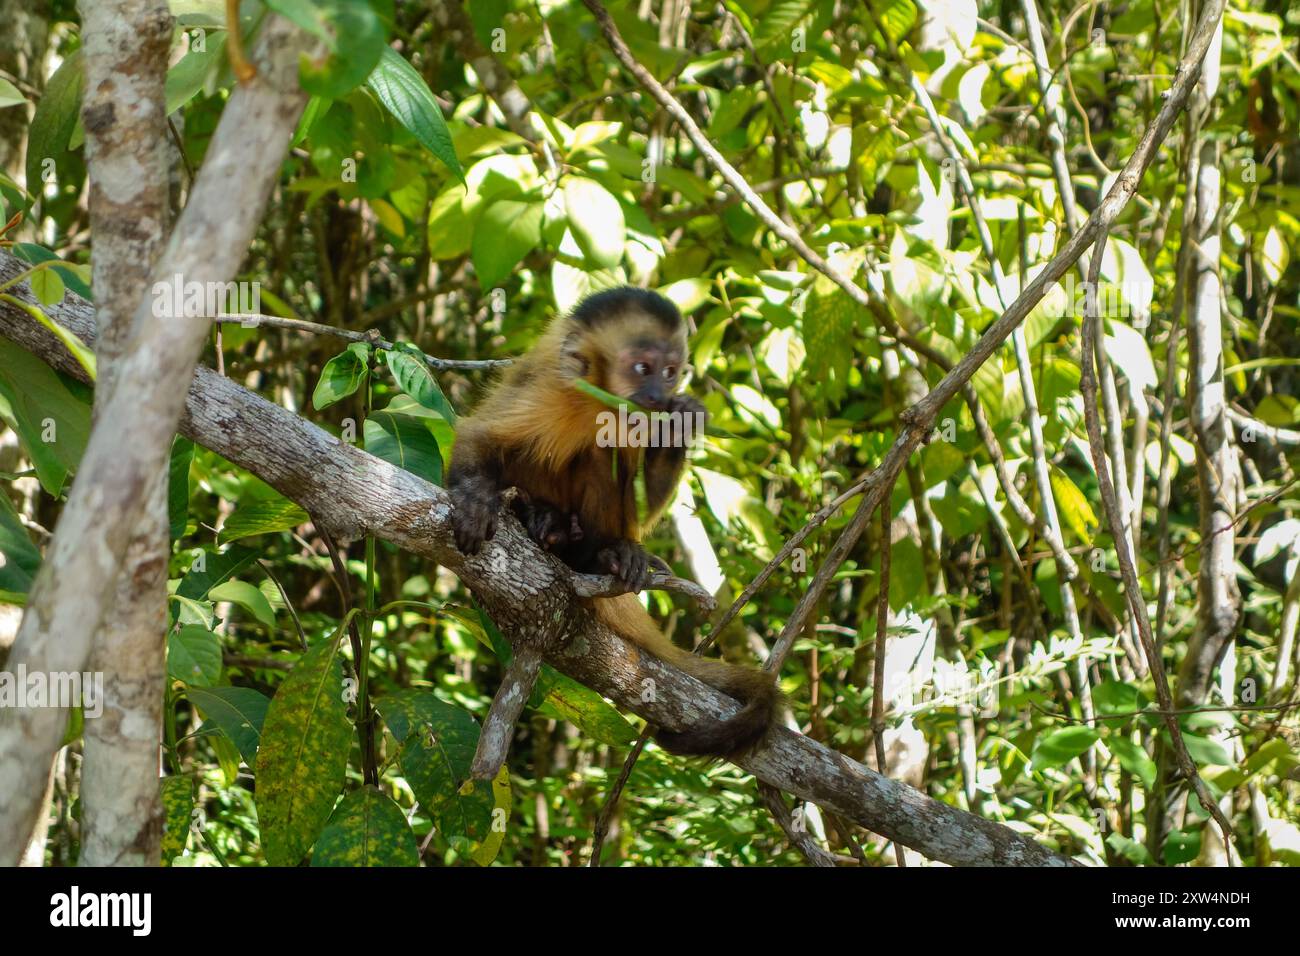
(47, 287)
(55, 119)
(248, 597)
(187, 78)
(178, 804)
(9, 94)
(342, 375)
(1130, 849)
(404, 441)
(1206, 751)
(1073, 505)
(238, 712)
(405, 94)
(416, 379)
(1133, 759)
(508, 231)
(353, 35)
(49, 412)
(1114, 697)
(1182, 846)
(366, 829)
(178, 486)
(584, 708)
(303, 758)
(75, 277)
(596, 219)
(19, 557)
(262, 517)
(217, 567)
(828, 322)
(450, 230)
(487, 851)
(194, 656)
(1060, 747)
(438, 743)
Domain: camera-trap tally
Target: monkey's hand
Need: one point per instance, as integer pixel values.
(688, 422)
(553, 530)
(473, 515)
(628, 562)
(687, 405)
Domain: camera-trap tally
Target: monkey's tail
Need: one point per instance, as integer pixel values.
(755, 689)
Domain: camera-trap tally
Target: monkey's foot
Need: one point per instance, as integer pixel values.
(553, 530)
(628, 562)
(473, 518)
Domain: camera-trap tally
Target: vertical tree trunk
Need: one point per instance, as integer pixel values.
(125, 52)
(130, 444)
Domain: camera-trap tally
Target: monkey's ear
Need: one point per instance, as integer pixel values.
(573, 364)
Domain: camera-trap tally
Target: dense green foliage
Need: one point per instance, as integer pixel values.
(412, 206)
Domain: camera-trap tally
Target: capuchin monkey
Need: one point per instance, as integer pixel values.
(537, 432)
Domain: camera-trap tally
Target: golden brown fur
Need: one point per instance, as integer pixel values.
(536, 432)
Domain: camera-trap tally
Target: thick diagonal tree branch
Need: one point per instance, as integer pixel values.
(529, 595)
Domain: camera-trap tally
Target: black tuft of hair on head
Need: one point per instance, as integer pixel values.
(612, 303)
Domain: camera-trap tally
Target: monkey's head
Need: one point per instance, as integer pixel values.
(628, 341)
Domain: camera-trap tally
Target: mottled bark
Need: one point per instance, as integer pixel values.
(131, 444)
(123, 109)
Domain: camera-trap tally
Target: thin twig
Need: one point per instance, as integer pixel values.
(878, 668)
(1132, 587)
(254, 320)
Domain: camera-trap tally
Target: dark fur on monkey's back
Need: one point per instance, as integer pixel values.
(535, 431)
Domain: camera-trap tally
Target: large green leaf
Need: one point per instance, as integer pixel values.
(417, 380)
(178, 804)
(584, 708)
(403, 91)
(438, 743)
(366, 829)
(217, 567)
(596, 219)
(49, 412)
(19, 557)
(178, 486)
(194, 656)
(248, 597)
(239, 713)
(342, 375)
(188, 76)
(1133, 759)
(404, 441)
(508, 230)
(262, 517)
(55, 118)
(303, 757)
(1061, 746)
(353, 36)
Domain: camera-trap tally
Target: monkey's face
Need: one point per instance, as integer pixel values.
(647, 372)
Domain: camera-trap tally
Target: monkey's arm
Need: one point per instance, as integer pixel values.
(474, 483)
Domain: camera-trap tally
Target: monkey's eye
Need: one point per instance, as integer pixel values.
(641, 368)
(670, 373)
